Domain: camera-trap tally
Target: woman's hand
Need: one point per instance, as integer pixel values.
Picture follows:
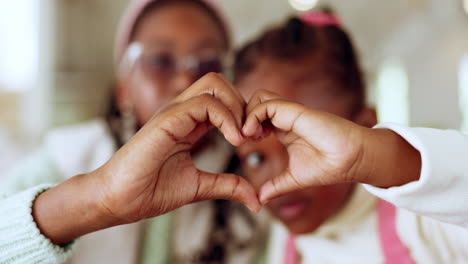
(153, 173)
(325, 149)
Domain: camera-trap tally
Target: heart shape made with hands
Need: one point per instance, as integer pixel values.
(164, 176)
(323, 157)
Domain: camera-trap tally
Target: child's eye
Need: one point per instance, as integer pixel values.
(255, 159)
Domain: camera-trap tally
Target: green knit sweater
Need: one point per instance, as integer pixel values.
(20, 238)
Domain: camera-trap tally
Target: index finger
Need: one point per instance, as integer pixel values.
(220, 88)
(264, 106)
(259, 97)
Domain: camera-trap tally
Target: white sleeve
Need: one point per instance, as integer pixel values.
(442, 190)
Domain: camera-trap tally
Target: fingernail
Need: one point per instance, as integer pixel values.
(247, 132)
(264, 202)
(264, 194)
(263, 199)
(255, 209)
(244, 131)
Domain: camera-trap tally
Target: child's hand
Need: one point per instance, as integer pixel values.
(325, 149)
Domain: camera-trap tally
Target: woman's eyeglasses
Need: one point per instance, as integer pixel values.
(164, 65)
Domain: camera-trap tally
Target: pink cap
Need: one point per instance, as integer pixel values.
(321, 19)
(128, 21)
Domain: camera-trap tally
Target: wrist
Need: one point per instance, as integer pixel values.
(388, 160)
(70, 210)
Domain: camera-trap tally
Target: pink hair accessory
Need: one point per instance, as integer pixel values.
(320, 19)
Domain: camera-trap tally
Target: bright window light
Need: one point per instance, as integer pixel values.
(19, 44)
(303, 5)
(463, 79)
(392, 93)
(465, 5)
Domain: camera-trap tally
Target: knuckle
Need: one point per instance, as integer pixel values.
(205, 98)
(208, 101)
(213, 80)
(213, 84)
(211, 76)
(205, 83)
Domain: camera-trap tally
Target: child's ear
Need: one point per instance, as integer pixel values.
(366, 117)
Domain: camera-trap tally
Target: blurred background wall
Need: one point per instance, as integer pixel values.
(56, 64)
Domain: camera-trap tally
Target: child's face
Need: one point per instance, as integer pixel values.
(303, 211)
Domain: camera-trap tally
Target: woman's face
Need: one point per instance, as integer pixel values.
(302, 211)
(179, 43)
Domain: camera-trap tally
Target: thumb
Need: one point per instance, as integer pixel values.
(227, 187)
(278, 186)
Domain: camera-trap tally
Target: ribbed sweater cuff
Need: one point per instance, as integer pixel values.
(20, 239)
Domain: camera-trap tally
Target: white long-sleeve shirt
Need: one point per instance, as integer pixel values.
(432, 215)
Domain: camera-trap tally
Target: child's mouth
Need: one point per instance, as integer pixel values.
(291, 210)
